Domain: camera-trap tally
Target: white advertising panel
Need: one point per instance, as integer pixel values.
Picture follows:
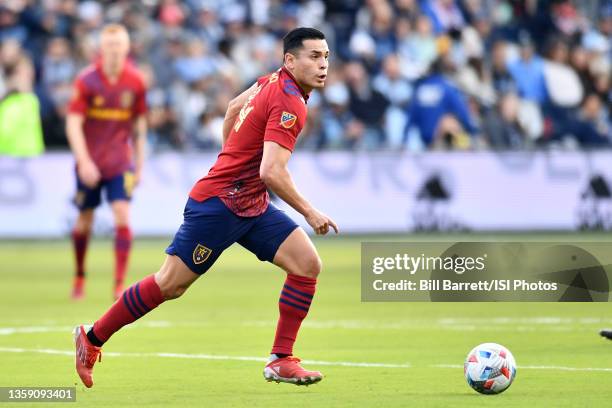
(364, 192)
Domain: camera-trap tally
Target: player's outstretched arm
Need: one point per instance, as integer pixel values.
(233, 109)
(274, 173)
(88, 172)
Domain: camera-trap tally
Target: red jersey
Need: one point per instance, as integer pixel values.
(109, 111)
(275, 111)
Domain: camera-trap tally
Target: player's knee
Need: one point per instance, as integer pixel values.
(121, 218)
(84, 222)
(170, 289)
(121, 223)
(311, 266)
(173, 292)
(172, 280)
(82, 228)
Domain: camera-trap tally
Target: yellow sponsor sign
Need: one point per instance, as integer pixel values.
(109, 114)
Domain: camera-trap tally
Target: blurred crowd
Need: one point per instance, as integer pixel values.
(404, 74)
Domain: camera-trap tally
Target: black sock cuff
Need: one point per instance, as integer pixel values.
(93, 339)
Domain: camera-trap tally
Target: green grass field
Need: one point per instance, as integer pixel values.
(186, 353)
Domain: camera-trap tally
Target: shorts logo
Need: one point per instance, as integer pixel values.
(201, 254)
(287, 120)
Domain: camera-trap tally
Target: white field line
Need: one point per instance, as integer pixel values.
(534, 367)
(554, 324)
(6, 331)
(202, 357)
(263, 359)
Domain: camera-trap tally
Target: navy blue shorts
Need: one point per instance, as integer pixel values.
(209, 227)
(117, 188)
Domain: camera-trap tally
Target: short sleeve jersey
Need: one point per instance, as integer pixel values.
(275, 111)
(109, 110)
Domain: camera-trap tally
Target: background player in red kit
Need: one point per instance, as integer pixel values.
(231, 204)
(108, 103)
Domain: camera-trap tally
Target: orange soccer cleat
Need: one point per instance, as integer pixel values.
(289, 370)
(86, 356)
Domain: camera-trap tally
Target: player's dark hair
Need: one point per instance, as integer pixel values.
(294, 39)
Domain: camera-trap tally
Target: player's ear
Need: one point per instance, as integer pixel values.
(289, 60)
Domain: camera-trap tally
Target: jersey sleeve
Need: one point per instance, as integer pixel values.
(262, 79)
(140, 101)
(79, 100)
(286, 118)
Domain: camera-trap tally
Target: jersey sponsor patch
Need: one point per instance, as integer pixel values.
(288, 120)
(201, 254)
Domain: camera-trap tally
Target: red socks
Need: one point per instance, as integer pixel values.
(135, 302)
(293, 305)
(79, 243)
(146, 295)
(123, 244)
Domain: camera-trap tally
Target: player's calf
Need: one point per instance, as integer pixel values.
(80, 241)
(123, 245)
(134, 303)
(169, 283)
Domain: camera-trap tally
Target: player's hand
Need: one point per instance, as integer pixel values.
(320, 222)
(137, 177)
(89, 173)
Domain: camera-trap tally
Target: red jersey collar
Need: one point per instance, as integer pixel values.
(98, 64)
(304, 94)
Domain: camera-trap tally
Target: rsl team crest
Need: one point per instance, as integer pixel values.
(98, 100)
(287, 120)
(201, 254)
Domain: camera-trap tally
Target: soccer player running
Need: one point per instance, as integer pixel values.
(231, 204)
(107, 106)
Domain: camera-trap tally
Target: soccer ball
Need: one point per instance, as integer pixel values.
(489, 368)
